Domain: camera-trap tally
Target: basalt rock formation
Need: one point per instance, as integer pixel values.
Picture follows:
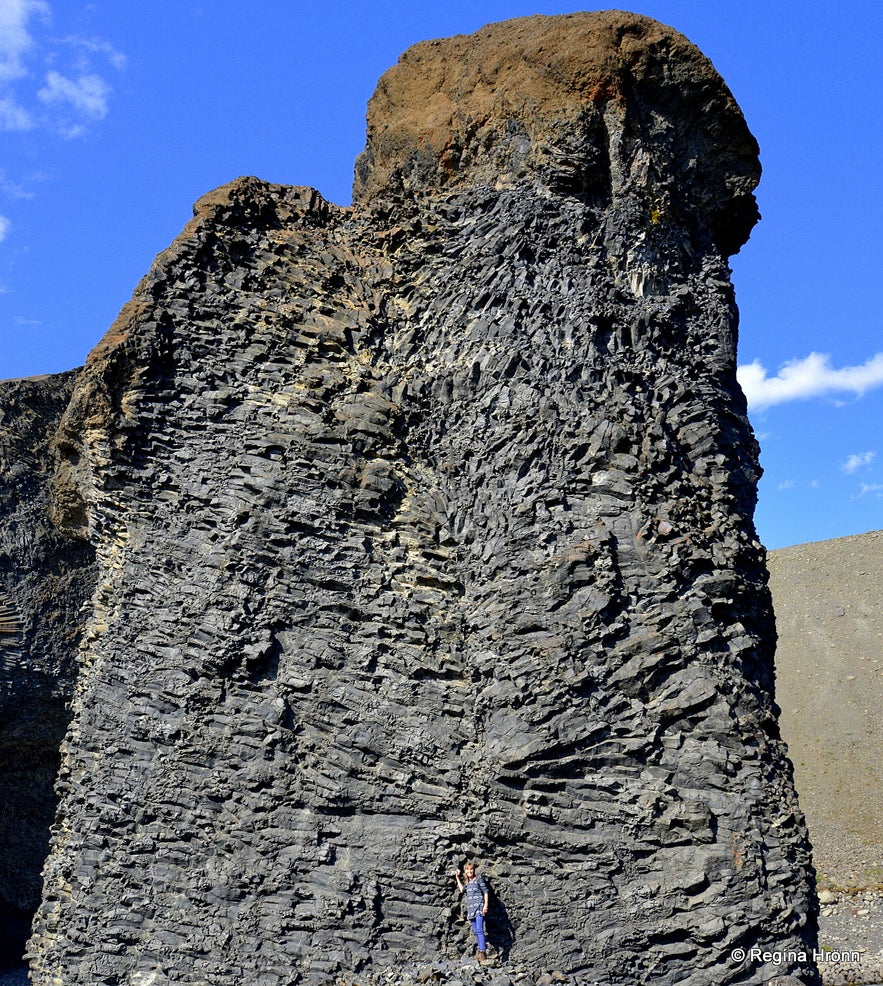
(423, 530)
(45, 579)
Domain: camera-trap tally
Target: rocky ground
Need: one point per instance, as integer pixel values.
(462, 972)
(851, 937)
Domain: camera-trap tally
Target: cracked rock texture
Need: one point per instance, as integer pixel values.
(45, 577)
(424, 531)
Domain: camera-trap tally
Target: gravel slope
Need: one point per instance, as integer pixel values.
(829, 614)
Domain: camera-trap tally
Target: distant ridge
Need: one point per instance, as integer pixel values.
(829, 665)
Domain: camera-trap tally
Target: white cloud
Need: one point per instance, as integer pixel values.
(5, 225)
(876, 488)
(97, 46)
(13, 116)
(855, 462)
(802, 379)
(12, 189)
(87, 94)
(15, 37)
(787, 484)
(74, 94)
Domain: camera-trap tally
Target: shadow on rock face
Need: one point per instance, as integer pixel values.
(15, 926)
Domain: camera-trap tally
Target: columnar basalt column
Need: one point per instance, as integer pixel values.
(424, 530)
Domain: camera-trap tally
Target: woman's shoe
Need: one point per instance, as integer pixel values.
(482, 957)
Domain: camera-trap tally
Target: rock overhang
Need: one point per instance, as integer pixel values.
(574, 100)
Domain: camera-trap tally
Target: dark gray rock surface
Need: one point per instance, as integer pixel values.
(424, 531)
(45, 578)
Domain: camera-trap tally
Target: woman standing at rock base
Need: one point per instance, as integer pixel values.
(476, 904)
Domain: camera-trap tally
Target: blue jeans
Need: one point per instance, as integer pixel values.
(477, 924)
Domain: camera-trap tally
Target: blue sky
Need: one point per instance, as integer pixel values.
(115, 117)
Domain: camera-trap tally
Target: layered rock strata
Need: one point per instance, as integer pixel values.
(424, 530)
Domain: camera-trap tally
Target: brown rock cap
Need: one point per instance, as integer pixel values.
(598, 102)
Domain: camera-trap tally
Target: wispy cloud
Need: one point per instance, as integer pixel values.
(16, 39)
(49, 82)
(4, 227)
(16, 43)
(12, 189)
(97, 46)
(875, 488)
(87, 94)
(856, 462)
(13, 116)
(802, 379)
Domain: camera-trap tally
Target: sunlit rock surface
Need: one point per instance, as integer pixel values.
(424, 531)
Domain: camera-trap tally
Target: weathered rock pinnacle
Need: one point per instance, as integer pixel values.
(608, 103)
(424, 531)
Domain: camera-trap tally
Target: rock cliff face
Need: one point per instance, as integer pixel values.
(423, 531)
(45, 578)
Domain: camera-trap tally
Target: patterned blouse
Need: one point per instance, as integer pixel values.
(475, 891)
